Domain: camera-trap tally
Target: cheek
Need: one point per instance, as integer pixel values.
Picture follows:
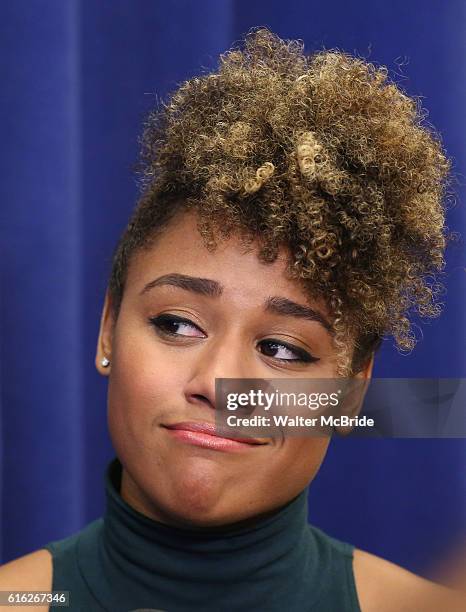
(302, 458)
(144, 388)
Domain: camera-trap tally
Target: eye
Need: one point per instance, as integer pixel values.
(171, 325)
(285, 352)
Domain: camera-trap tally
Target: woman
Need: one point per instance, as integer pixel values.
(291, 208)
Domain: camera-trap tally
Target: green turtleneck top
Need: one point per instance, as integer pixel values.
(125, 561)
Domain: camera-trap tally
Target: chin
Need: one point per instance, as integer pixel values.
(199, 502)
(199, 499)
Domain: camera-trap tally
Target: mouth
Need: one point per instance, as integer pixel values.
(207, 435)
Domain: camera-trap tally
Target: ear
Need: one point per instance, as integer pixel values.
(366, 372)
(359, 384)
(105, 340)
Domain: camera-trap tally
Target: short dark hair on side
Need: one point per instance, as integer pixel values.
(321, 153)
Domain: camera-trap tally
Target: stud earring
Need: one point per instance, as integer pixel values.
(105, 362)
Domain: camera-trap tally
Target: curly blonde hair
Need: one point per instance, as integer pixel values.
(321, 153)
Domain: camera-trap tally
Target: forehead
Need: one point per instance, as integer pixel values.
(180, 248)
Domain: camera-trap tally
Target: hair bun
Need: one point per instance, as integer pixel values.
(310, 153)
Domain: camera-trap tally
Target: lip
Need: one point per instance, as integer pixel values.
(206, 435)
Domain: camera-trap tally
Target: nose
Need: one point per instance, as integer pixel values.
(223, 358)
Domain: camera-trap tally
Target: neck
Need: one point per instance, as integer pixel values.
(135, 498)
(277, 561)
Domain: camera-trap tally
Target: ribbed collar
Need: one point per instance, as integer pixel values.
(170, 568)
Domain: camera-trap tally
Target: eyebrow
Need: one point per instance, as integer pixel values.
(202, 286)
(286, 307)
(211, 288)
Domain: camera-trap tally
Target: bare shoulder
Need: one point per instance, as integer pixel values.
(383, 586)
(32, 572)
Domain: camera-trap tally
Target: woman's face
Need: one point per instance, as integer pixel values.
(189, 316)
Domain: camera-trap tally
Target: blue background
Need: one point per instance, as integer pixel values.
(77, 78)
